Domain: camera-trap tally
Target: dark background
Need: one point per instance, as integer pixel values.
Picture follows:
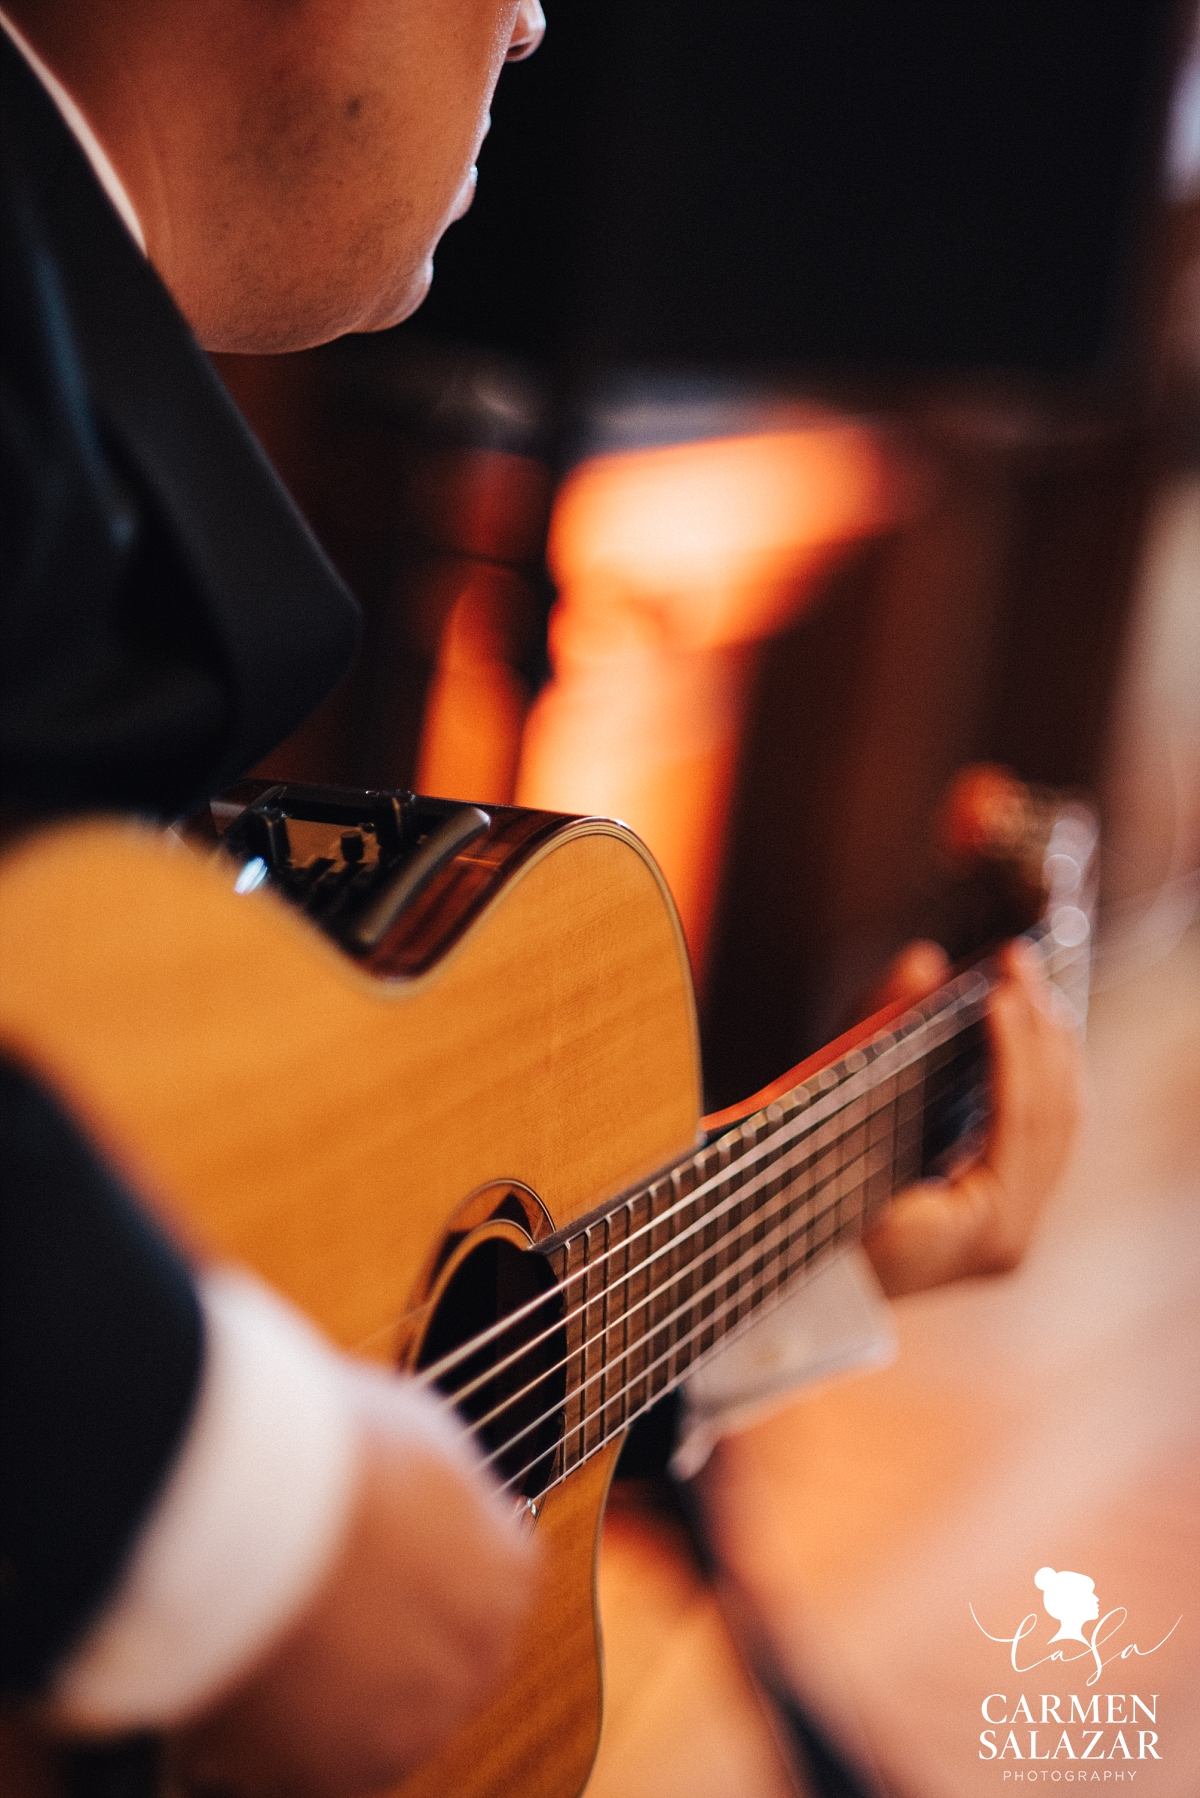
(782, 183)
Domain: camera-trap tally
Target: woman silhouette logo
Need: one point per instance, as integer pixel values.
(1070, 1598)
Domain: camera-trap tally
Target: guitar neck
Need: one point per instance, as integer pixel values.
(654, 1282)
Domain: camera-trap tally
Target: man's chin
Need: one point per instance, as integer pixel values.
(286, 329)
(396, 309)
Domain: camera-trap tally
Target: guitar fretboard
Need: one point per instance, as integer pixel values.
(658, 1280)
(653, 1281)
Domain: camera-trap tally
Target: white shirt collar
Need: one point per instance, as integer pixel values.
(89, 143)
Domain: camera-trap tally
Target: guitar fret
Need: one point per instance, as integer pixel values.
(616, 1332)
(636, 1317)
(659, 1303)
(706, 1246)
(852, 1152)
(728, 1291)
(574, 1256)
(670, 1269)
(710, 1241)
(751, 1281)
(686, 1272)
(719, 1245)
(790, 1195)
(910, 1123)
(593, 1302)
(881, 1139)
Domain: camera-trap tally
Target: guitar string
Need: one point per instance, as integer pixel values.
(736, 1196)
(771, 1272)
(806, 1151)
(758, 1223)
(643, 1375)
(757, 1228)
(653, 1393)
(788, 1209)
(810, 1112)
(807, 1162)
(784, 1239)
(789, 1226)
(902, 1045)
(790, 1168)
(787, 1233)
(815, 1119)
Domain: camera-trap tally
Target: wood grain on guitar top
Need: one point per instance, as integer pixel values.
(287, 1110)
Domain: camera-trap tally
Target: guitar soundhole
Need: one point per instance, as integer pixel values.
(512, 1389)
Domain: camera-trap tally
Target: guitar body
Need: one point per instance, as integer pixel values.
(345, 1134)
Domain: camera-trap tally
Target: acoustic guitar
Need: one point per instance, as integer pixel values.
(432, 1070)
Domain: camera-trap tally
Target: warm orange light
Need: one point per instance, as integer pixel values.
(651, 739)
(670, 563)
(471, 732)
(701, 543)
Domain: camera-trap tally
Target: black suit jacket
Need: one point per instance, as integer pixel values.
(165, 618)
